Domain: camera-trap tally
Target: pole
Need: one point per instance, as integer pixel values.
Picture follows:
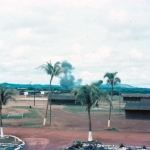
(34, 96)
(119, 102)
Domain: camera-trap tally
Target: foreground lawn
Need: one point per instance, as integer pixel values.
(104, 109)
(31, 117)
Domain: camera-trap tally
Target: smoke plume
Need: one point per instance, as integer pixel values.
(67, 80)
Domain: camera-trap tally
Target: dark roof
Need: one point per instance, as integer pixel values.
(63, 97)
(136, 95)
(144, 104)
(132, 106)
(21, 88)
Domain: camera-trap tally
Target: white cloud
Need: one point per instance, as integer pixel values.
(94, 36)
(77, 48)
(97, 56)
(118, 16)
(123, 34)
(135, 53)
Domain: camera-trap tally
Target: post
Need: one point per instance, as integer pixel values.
(34, 96)
(1, 124)
(119, 102)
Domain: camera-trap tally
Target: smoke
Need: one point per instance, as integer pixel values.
(67, 80)
(68, 67)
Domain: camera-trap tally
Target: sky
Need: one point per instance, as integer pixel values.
(95, 36)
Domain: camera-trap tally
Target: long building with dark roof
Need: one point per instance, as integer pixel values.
(63, 99)
(135, 97)
(138, 109)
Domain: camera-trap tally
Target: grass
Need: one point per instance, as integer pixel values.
(75, 109)
(31, 113)
(82, 109)
(31, 124)
(6, 124)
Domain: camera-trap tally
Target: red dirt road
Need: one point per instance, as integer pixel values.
(49, 138)
(67, 127)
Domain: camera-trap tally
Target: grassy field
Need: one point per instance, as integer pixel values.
(34, 116)
(116, 111)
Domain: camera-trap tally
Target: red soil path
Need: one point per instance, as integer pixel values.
(67, 127)
(54, 139)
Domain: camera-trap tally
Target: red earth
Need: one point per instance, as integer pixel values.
(67, 127)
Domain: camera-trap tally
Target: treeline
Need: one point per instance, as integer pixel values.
(117, 89)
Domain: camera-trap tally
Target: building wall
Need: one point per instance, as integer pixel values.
(137, 114)
(131, 98)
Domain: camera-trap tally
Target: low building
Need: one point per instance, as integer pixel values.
(138, 109)
(21, 91)
(61, 99)
(135, 97)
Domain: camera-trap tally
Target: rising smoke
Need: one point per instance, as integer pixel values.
(67, 80)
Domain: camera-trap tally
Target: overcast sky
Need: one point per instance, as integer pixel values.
(95, 36)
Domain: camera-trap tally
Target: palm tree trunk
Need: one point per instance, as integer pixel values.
(110, 106)
(48, 101)
(90, 126)
(1, 124)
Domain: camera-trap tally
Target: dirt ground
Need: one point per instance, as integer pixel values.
(67, 127)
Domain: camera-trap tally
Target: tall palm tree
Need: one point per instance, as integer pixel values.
(90, 95)
(5, 95)
(52, 71)
(111, 80)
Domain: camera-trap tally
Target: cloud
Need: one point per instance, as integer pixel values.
(135, 53)
(94, 36)
(118, 16)
(97, 56)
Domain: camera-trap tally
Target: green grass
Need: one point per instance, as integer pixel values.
(6, 124)
(32, 113)
(25, 107)
(82, 109)
(75, 109)
(31, 124)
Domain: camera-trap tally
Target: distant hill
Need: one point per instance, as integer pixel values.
(121, 88)
(46, 86)
(117, 86)
(124, 88)
(30, 86)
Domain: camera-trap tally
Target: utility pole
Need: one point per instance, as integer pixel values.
(119, 101)
(34, 96)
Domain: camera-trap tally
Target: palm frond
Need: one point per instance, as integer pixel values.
(117, 80)
(6, 94)
(112, 79)
(105, 75)
(110, 75)
(90, 95)
(97, 83)
(56, 64)
(50, 69)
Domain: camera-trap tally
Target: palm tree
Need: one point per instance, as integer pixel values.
(52, 71)
(90, 95)
(111, 80)
(5, 95)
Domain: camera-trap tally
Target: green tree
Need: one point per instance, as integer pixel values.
(5, 95)
(111, 80)
(52, 70)
(90, 95)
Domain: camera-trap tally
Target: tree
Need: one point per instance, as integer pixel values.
(5, 95)
(52, 71)
(90, 95)
(111, 80)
